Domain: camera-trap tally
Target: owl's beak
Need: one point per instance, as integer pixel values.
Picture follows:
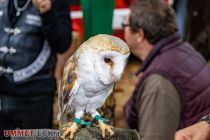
(113, 78)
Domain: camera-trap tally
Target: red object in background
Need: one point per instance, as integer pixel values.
(170, 2)
(74, 7)
(77, 22)
(121, 4)
(77, 25)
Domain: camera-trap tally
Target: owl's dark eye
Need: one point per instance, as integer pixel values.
(107, 60)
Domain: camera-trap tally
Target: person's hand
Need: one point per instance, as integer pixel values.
(198, 131)
(42, 5)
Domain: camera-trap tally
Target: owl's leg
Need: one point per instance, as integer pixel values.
(73, 128)
(103, 126)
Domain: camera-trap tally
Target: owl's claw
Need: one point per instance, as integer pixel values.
(70, 130)
(105, 127)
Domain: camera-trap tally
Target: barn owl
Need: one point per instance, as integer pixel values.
(88, 79)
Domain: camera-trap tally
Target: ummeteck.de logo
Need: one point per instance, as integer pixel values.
(32, 133)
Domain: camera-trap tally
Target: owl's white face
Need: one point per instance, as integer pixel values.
(103, 58)
(109, 65)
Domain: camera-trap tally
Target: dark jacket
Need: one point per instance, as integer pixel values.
(197, 25)
(28, 46)
(186, 69)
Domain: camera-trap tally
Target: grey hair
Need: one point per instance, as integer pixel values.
(156, 19)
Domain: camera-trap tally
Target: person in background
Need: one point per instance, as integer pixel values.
(32, 32)
(77, 39)
(194, 24)
(174, 84)
(180, 7)
(62, 58)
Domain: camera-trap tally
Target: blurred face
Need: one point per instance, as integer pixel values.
(130, 37)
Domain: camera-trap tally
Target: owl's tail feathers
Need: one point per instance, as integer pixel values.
(59, 116)
(62, 119)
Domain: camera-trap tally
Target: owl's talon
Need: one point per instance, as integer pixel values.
(64, 129)
(69, 130)
(105, 127)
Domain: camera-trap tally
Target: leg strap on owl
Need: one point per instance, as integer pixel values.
(104, 120)
(81, 122)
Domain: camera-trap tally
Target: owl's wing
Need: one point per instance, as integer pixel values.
(68, 86)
